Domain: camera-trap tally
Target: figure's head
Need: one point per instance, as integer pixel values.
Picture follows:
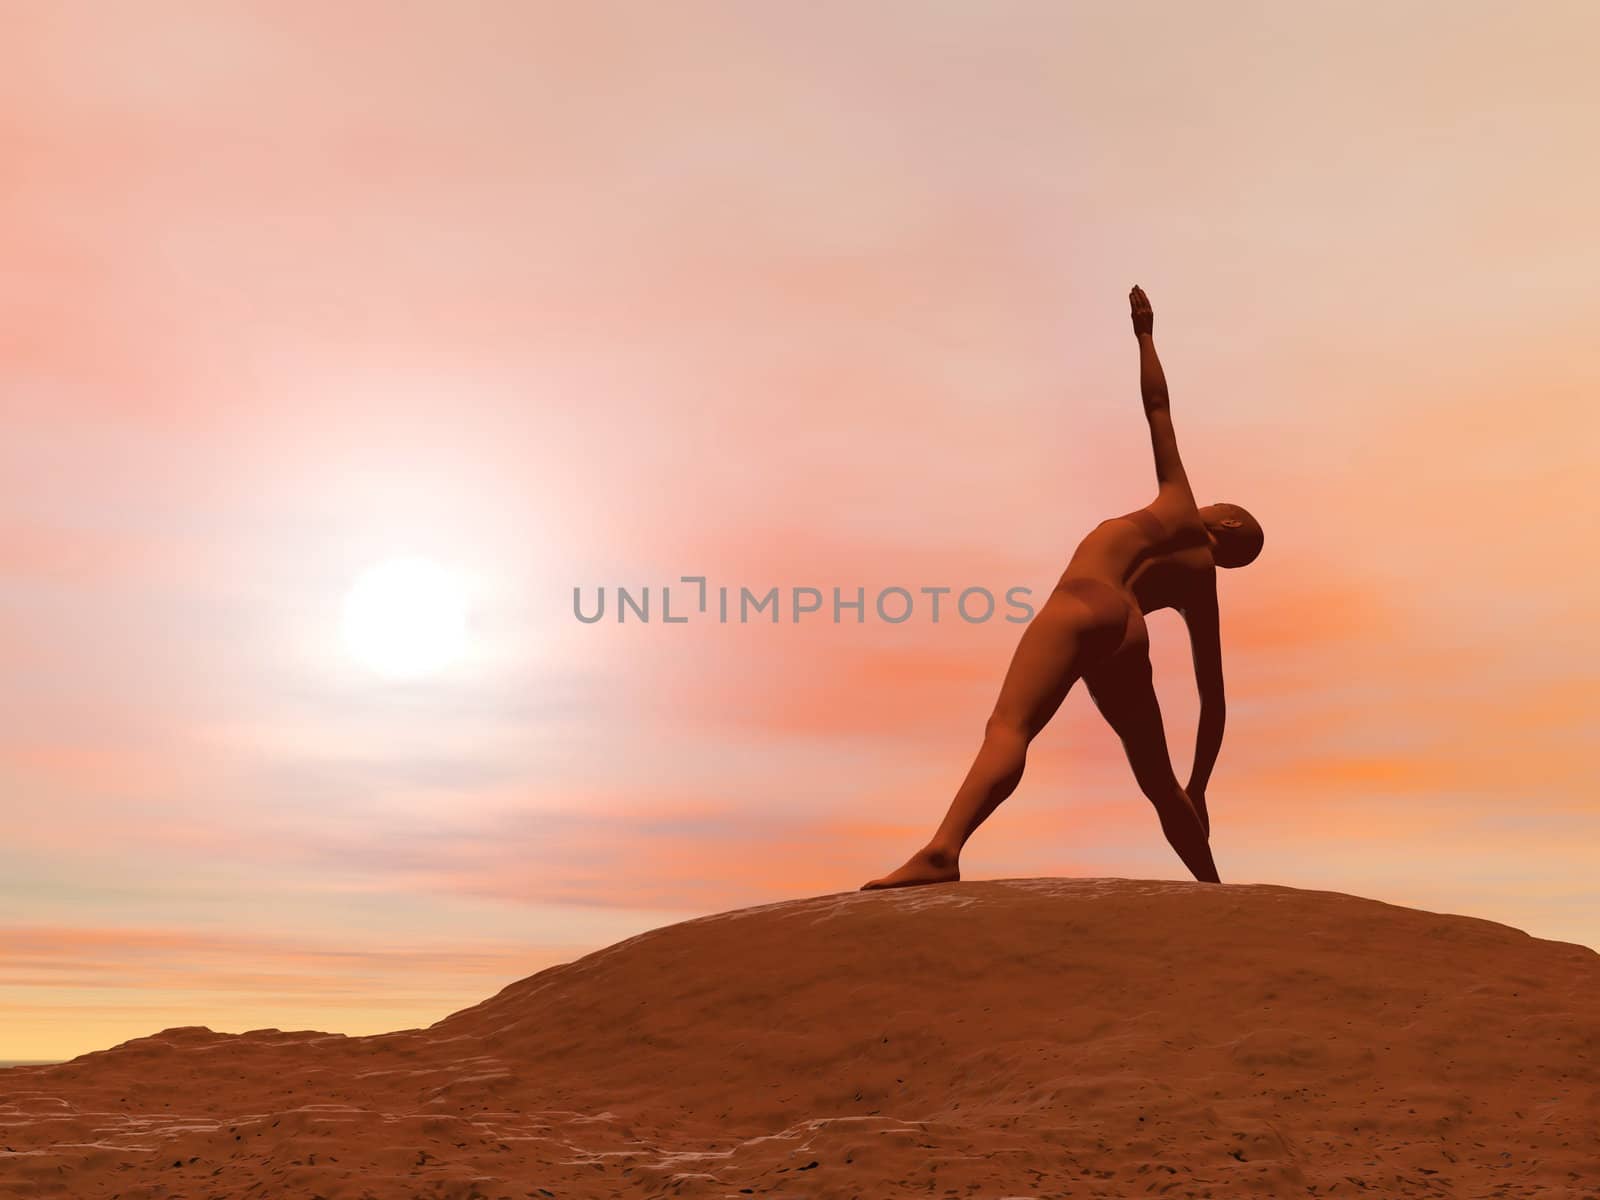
(1235, 535)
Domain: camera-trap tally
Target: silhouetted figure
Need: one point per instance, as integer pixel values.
(1092, 627)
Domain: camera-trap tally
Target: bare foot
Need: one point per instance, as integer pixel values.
(925, 866)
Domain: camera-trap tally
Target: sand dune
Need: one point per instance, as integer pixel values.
(1012, 1038)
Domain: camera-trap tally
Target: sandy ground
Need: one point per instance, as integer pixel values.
(1012, 1038)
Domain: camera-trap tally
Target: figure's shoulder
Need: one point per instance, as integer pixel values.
(1169, 523)
(1148, 523)
(1175, 508)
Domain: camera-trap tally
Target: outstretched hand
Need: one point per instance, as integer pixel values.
(1144, 319)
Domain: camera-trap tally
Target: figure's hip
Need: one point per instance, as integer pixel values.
(1113, 616)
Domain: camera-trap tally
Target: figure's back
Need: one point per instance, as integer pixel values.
(1139, 553)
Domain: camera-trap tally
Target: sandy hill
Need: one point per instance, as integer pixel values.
(1013, 1038)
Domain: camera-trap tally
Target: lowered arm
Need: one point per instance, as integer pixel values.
(1205, 642)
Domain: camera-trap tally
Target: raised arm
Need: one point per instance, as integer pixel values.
(1205, 642)
(1157, 410)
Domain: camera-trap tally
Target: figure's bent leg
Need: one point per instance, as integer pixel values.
(1042, 671)
(1124, 693)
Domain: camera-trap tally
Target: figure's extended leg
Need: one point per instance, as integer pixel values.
(1042, 671)
(1125, 695)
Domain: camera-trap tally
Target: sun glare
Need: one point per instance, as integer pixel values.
(406, 617)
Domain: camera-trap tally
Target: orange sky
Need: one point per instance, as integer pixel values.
(793, 295)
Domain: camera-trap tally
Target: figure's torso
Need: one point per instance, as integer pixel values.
(1159, 554)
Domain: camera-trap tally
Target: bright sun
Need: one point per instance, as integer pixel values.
(406, 617)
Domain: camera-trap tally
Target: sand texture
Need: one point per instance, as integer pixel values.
(1009, 1038)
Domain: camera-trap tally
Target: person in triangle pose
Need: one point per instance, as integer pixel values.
(1092, 627)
